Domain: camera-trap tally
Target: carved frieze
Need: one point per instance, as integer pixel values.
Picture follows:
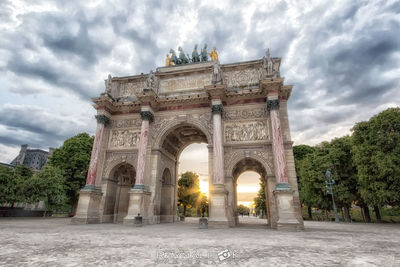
(238, 78)
(126, 123)
(124, 138)
(127, 89)
(238, 114)
(191, 82)
(246, 131)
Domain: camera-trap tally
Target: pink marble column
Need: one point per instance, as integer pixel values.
(218, 157)
(277, 142)
(147, 116)
(102, 120)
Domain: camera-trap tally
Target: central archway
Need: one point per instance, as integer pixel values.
(172, 144)
(245, 165)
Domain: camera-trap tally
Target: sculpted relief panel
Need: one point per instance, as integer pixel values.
(242, 77)
(245, 114)
(192, 82)
(246, 131)
(130, 88)
(124, 138)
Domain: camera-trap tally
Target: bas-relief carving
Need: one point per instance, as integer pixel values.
(124, 138)
(130, 88)
(245, 114)
(161, 123)
(237, 78)
(246, 131)
(126, 123)
(114, 158)
(192, 82)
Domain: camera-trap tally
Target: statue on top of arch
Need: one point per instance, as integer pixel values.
(185, 58)
(270, 67)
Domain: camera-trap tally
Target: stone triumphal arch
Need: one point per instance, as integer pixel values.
(145, 121)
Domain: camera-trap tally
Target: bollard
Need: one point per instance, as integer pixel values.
(138, 221)
(182, 218)
(203, 223)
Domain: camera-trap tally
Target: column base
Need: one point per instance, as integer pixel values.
(218, 207)
(139, 198)
(287, 219)
(88, 206)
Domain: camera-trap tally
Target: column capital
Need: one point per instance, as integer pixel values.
(217, 109)
(103, 119)
(147, 115)
(272, 104)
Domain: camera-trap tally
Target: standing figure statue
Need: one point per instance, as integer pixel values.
(217, 73)
(151, 81)
(168, 61)
(182, 58)
(108, 83)
(204, 54)
(195, 55)
(174, 58)
(213, 54)
(268, 64)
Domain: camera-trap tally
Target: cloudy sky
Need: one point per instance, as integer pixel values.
(343, 58)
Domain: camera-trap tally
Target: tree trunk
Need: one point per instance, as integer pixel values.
(346, 210)
(366, 214)
(327, 215)
(377, 214)
(309, 211)
(184, 210)
(12, 205)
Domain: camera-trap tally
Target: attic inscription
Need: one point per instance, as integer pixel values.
(192, 82)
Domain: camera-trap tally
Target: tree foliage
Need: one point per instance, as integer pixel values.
(73, 158)
(48, 186)
(188, 190)
(13, 184)
(259, 200)
(243, 209)
(377, 155)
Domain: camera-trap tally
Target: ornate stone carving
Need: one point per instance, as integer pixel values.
(125, 123)
(192, 82)
(272, 104)
(151, 82)
(217, 109)
(127, 89)
(217, 73)
(108, 84)
(103, 119)
(249, 131)
(245, 114)
(147, 115)
(238, 78)
(114, 158)
(124, 138)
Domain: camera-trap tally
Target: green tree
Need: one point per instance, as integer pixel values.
(188, 190)
(47, 186)
(259, 200)
(73, 158)
(12, 184)
(376, 153)
(243, 209)
(300, 152)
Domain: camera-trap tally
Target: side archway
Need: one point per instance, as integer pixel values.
(167, 205)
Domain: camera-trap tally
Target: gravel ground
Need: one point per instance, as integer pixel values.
(54, 242)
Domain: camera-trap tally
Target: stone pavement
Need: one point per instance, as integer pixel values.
(54, 242)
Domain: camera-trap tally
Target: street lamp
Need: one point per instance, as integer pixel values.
(329, 189)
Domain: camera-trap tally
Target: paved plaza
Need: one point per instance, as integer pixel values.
(54, 242)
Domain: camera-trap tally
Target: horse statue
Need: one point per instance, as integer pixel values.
(204, 54)
(174, 58)
(195, 55)
(182, 57)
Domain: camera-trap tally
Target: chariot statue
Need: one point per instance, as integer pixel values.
(213, 54)
(174, 58)
(204, 54)
(182, 57)
(195, 54)
(168, 61)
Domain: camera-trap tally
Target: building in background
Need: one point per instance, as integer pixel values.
(35, 159)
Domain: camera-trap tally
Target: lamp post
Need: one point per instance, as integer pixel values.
(329, 189)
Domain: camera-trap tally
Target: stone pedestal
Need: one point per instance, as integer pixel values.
(218, 217)
(88, 206)
(138, 204)
(285, 207)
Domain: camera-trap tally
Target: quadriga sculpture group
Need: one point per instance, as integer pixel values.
(185, 59)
